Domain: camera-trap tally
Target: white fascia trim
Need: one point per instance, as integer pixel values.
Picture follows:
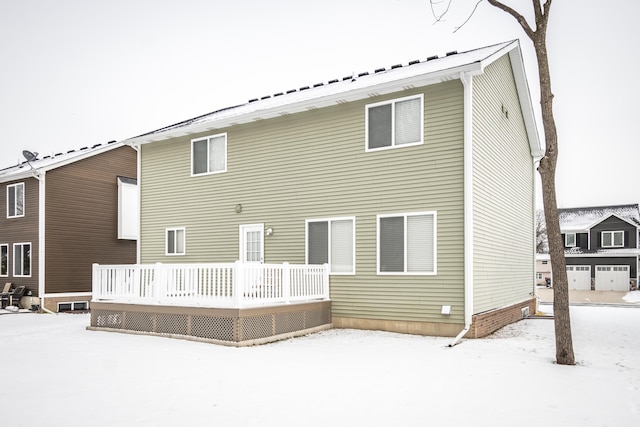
(631, 253)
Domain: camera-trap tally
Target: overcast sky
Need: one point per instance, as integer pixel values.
(75, 73)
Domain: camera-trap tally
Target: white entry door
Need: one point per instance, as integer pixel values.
(252, 243)
(612, 278)
(579, 277)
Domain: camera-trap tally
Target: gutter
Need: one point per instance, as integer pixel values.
(467, 82)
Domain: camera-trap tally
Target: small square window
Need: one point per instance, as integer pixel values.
(175, 241)
(570, 240)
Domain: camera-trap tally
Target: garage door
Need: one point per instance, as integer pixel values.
(579, 277)
(612, 278)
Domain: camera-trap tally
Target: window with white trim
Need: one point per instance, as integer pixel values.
(4, 260)
(209, 154)
(395, 123)
(407, 243)
(332, 241)
(22, 259)
(175, 241)
(15, 200)
(539, 276)
(569, 240)
(612, 239)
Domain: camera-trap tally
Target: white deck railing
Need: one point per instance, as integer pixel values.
(231, 285)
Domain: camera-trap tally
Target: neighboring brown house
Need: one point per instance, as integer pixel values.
(61, 213)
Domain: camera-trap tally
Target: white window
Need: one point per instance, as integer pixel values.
(612, 239)
(209, 154)
(22, 259)
(128, 209)
(175, 241)
(394, 123)
(539, 276)
(407, 243)
(15, 200)
(569, 240)
(4, 260)
(332, 241)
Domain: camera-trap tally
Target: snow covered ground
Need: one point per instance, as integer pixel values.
(56, 373)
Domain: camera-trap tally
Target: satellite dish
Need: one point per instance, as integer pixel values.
(29, 155)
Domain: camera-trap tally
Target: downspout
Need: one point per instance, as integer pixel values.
(40, 176)
(467, 83)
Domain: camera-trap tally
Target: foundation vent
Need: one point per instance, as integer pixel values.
(525, 312)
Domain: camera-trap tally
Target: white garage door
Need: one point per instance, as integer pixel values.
(612, 278)
(579, 277)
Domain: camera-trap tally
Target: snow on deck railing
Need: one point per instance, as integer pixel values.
(230, 285)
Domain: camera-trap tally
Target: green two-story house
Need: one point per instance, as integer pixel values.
(415, 184)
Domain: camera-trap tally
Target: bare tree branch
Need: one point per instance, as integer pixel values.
(518, 17)
(433, 11)
(469, 17)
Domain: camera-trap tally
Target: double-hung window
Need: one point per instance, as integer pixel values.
(395, 123)
(407, 243)
(209, 154)
(332, 241)
(4, 260)
(175, 241)
(612, 239)
(569, 240)
(15, 200)
(22, 259)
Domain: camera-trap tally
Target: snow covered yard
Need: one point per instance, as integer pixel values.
(57, 373)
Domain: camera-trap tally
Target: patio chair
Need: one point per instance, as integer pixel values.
(4, 296)
(16, 295)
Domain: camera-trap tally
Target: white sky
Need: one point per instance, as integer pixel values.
(76, 73)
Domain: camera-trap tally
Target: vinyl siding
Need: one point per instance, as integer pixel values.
(21, 230)
(314, 165)
(82, 219)
(502, 193)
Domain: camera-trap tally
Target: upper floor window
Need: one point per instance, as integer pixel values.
(332, 241)
(612, 239)
(545, 262)
(407, 243)
(209, 154)
(569, 240)
(175, 241)
(15, 200)
(22, 259)
(4, 260)
(395, 123)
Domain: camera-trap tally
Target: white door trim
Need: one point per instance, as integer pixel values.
(244, 229)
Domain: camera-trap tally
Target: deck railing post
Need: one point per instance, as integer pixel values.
(95, 287)
(159, 282)
(325, 281)
(286, 282)
(238, 283)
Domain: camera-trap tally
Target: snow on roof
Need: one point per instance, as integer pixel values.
(53, 161)
(358, 86)
(578, 219)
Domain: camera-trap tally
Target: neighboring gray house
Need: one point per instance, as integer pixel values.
(601, 246)
(415, 184)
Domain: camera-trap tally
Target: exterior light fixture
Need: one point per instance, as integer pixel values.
(268, 231)
(238, 208)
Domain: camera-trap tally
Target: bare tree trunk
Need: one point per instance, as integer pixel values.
(547, 169)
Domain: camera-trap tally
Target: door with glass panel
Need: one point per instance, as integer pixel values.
(251, 255)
